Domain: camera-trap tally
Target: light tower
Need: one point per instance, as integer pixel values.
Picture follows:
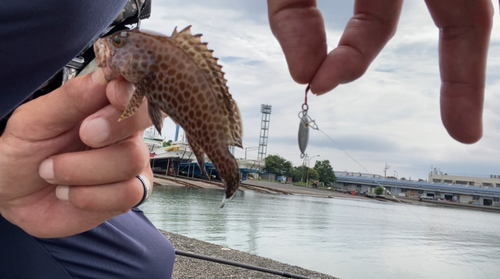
(264, 131)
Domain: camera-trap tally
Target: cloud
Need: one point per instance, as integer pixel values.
(390, 115)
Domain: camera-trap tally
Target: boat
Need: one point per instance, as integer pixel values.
(178, 150)
(177, 157)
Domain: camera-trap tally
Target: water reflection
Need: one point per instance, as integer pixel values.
(342, 237)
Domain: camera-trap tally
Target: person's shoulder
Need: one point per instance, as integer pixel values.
(38, 38)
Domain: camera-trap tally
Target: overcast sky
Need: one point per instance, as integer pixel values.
(390, 115)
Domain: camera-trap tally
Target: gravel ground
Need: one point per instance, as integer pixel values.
(186, 267)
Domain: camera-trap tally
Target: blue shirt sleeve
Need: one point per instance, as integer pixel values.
(38, 38)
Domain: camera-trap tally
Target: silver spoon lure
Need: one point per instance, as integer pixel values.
(306, 122)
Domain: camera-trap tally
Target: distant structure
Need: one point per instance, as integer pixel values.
(437, 176)
(264, 131)
(176, 132)
(454, 189)
(385, 169)
(152, 133)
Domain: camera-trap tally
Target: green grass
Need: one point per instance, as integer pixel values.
(301, 183)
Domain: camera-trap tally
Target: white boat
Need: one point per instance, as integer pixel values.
(251, 165)
(180, 152)
(177, 150)
(153, 139)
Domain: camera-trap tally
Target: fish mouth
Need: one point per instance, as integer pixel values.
(103, 58)
(102, 52)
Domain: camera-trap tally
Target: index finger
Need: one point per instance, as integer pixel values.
(464, 33)
(299, 28)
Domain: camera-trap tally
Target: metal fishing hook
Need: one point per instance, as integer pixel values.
(306, 122)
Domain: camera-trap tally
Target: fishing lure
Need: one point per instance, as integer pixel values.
(306, 122)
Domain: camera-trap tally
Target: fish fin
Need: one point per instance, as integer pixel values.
(198, 153)
(156, 116)
(198, 51)
(231, 177)
(236, 126)
(133, 104)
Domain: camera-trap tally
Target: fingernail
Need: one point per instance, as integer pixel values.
(96, 131)
(62, 193)
(124, 91)
(98, 77)
(46, 169)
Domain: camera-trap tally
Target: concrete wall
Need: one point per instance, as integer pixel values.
(465, 198)
(268, 177)
(411, 193)
(365, 188)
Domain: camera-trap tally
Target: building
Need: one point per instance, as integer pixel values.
(440, 177)
(461, 193)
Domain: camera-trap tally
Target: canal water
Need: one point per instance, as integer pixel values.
(347, 238)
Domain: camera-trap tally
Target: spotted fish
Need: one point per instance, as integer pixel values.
(179, 76)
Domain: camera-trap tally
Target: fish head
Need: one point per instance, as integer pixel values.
(125, 53)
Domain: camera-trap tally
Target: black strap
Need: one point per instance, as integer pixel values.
(128, 16)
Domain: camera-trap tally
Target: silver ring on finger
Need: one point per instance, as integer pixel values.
(147, 189)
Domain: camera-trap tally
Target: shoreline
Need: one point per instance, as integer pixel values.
(290, 189)
(186, 267)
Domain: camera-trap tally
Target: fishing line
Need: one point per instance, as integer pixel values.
(375, 179)
(307, 122)
(315, 127)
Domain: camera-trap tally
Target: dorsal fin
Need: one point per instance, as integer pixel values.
(192, 45)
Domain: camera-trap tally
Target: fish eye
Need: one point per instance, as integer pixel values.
(118, 41)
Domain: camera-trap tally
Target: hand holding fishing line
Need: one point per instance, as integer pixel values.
(464, 37)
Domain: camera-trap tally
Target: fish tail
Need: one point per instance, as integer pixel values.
(228, 169)
(224, 199)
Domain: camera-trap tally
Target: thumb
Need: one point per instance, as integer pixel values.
(57, 112)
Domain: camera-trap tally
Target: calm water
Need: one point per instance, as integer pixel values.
(346, 238)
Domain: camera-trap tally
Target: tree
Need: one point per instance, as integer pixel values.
(167, 143)
(313, 174)
(298, 173)
(278, 165)
(325, 171)
(379, 190)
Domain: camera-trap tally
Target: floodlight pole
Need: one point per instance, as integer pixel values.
(308, 164)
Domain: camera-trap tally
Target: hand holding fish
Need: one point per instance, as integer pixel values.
(53, 183)
(464, 36)
(178, 76)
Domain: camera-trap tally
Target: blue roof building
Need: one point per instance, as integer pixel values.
(468, 194)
